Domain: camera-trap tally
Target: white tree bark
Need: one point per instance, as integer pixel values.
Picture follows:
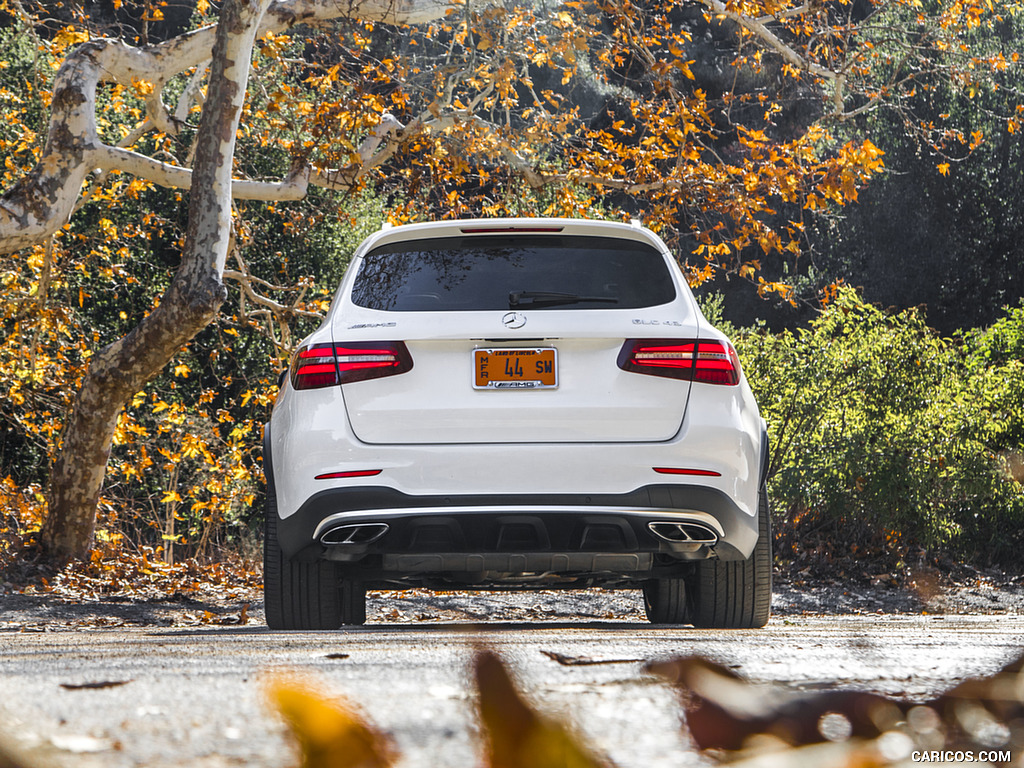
(192, 300)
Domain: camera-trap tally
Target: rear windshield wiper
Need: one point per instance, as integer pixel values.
(517, 299)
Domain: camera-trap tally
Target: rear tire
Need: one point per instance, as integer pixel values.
(665, 601)
(735, 594)
(300, 595)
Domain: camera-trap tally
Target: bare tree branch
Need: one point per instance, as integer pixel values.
(168, 175)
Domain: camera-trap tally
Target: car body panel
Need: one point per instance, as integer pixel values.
(594, 401)
(312, 436)
(588, 450)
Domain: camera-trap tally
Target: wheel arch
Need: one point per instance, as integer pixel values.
(268, 460)
(765, 455)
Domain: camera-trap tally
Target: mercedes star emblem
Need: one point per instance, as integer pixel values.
(514, 320)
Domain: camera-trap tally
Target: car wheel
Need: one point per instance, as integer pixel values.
(735, 594)
(301, 595)
(665, 601)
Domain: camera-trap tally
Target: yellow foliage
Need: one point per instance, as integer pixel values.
(68, 36)
(142, 87)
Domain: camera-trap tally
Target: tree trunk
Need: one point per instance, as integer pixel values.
(191, 301)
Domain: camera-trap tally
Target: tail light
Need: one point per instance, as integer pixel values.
(709, 362)
(328, 365)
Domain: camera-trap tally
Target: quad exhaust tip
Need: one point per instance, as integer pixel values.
(684, 533)
(354, 534)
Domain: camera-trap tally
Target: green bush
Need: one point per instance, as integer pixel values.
(885, 436)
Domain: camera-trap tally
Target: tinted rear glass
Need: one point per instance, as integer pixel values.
(482, 272)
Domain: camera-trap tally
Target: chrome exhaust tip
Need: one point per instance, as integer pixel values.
(353, 534)
(696, 534)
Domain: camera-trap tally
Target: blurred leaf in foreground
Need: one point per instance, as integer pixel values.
(983, 711)
(761, 724)
(329, 733)
(517, 737)
(724, 711)
(8, 760)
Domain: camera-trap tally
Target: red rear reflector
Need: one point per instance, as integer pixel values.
(709, 362)
(684, 471)
(353, 473)
(326, 365)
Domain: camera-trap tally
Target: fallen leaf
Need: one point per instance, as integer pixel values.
(724, 711)
(584, 661)
(517, 737)
(969, 707)
(94, 685)
(9, 757)
(330, 734)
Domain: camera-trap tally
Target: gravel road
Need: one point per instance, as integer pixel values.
(196, 695)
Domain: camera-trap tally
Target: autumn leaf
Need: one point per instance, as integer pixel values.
(142, 87)
(998, 694)
(943, 168)
(724, 711)
(329, 733)
(517, 737)
(69, 36)
(10, 757)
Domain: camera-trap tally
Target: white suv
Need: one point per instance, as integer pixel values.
(516, 403)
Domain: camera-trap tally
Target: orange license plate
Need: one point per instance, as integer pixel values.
(533, 368)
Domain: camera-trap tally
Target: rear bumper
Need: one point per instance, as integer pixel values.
(394, 535)
(721, 433)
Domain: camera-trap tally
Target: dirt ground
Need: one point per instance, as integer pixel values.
(976, 592)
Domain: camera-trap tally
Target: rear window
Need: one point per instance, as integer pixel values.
(503, 272)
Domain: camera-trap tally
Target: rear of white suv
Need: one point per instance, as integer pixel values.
(516, 403)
